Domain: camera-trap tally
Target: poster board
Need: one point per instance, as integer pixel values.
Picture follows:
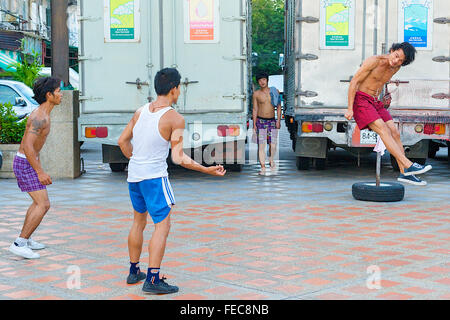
(337, 24)
(122, 20)
(415, 23)
(201, 21)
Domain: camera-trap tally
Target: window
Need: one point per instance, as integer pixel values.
(8, 95)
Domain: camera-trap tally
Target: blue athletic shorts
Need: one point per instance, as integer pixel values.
(154, 196)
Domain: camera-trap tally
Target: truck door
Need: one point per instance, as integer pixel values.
(206, 41)
(116, 64)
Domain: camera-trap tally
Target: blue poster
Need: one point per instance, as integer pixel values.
(416, 24)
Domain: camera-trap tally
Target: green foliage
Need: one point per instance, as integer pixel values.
(27, 69)
(268, 34)
(11, 130)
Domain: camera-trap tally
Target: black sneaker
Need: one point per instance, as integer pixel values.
(160, 288)
(135, 278)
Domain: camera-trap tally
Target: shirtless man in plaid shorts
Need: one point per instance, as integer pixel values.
(369, 112)
(264, 124)
(31, 178)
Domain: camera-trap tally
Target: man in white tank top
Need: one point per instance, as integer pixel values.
(145, 141)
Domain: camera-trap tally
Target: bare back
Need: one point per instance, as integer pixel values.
(263, 100)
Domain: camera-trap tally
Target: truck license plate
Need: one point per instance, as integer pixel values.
(368, 137)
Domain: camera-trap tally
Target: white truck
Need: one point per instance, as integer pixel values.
(326, 42)
(124, 43)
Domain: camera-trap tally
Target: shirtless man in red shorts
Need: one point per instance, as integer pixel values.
(369, 112)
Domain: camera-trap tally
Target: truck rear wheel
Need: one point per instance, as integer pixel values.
(386, 192)
(303, 163)
(118, 167)
(320, 163)
(433, 149)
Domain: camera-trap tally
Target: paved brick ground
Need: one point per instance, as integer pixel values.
(296, 235)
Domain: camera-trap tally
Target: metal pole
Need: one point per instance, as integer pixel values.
(60, 41)
(375, 28)
(364, 32)
(378, 173)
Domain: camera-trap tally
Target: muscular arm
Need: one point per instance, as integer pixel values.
(182, 159)
(255, 110)
(176, 140)
(126, 136)
(363, 72)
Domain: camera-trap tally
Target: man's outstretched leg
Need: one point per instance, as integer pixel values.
(23, 245)
(156, 249)
(396, 149)
(135, 241)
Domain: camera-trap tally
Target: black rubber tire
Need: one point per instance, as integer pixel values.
(386, 192)
(303, 163)
(433, 149)
(320, 164)
(448, 151)
(118, 167)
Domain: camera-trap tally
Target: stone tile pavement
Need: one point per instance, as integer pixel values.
(296, 235)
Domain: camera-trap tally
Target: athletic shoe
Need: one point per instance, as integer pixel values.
(160, 288)
(34, 245)
(412, 179)
(417, 169)
(23, 252)
(136, 277)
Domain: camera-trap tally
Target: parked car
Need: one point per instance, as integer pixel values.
(19, 95)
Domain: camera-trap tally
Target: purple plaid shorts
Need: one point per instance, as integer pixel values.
(27, 178)
(266, 130)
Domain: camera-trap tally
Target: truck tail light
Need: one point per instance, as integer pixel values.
(439, 129)
(434, 128)
(312, 127)
(96, 132)
(228, 131)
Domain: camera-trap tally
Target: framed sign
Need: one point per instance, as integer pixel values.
(337, 24)
(201, 21)
(122, 20)
(415, 23)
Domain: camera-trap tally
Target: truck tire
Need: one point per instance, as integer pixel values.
(386, 192)
(118, 167)
(433, 149)
(448, 151)
(303, 163)
(320, 163)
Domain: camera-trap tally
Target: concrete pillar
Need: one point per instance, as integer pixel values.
(60, 156)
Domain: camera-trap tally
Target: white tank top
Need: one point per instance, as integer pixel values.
(150, 149)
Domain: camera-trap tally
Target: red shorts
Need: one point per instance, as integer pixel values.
(367, 109)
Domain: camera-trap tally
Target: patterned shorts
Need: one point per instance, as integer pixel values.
(266, 130)
(27, 178)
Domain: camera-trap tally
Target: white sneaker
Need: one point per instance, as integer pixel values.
(34, 245)
(24, 252)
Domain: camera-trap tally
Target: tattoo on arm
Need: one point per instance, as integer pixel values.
(37, 126)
